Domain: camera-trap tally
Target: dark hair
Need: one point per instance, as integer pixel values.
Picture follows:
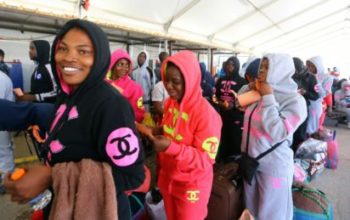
(162, 56)
(2, 53)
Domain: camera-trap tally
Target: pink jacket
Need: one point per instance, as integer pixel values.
(126, 86)
(194, 128)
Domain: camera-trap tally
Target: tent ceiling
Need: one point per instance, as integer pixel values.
(248, 26)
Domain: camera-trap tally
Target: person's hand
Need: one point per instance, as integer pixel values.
(144, 130)
(264, 88)
(252, 85)
(225, 105)
(35, 181)
(302, 91)
(26, 97)
(160, 143)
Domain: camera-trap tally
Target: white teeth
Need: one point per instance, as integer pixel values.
(70, 69)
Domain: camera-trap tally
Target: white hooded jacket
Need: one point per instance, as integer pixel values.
(276, 118)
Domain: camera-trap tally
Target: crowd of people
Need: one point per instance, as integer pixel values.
(93, 101)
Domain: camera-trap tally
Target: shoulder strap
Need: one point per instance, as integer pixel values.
(249, 124)
(269, 150)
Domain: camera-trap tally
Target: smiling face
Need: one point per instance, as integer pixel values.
(121, 68)
(74, 57)
(174, 83)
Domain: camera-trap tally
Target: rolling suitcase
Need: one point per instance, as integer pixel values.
(226, 200)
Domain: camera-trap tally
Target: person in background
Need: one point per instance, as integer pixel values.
(207, 82)
(232, 118)
(3, 66)
(118, 76)
(162, 56)
(342, 100)
(92, 121)
(7, 163)
(306, 86)
(159, 95)
(185, 144)
(268, 122)
(323, 87)
(43, 86)
(144, 76)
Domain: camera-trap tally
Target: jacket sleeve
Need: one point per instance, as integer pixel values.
(201, 155)
(51, 94)
(311, 94)
(325, 87)
(339, 99)
(328, 100)
(137, 104)
(118, 143)
(217, 89)
(281, 121)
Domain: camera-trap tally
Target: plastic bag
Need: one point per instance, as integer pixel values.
(155, 208)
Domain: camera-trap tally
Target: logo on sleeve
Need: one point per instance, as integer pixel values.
(211, 145)
(139, 103)
(123, 147)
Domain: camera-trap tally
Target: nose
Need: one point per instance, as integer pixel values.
(70, 56)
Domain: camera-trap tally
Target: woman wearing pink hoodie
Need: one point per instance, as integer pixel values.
(187, 142)
(118, 76)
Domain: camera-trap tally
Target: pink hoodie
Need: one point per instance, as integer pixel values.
(126, 86)
(194, 129)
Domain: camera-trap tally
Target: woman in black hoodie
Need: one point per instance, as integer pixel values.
(43, 86)
(226, 89)
(92, 119)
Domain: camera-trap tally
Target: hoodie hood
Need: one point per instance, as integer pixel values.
(203, 68)
(317, 61)
(188, 65)
(115, 57)
(298, 65)
(42, 51)
(101, 56)
(145, 64)
(279, 76)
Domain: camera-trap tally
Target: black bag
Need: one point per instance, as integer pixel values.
(249, 165)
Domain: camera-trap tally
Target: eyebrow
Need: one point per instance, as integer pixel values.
(79, 46)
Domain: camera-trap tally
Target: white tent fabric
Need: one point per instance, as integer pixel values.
(298, 27)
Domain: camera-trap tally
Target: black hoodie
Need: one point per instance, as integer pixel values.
(95, 121)
(231, 132)
(305, 80)
(43, 84)
(225, 88)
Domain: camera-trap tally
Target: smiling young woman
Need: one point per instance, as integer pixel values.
(92, 120)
